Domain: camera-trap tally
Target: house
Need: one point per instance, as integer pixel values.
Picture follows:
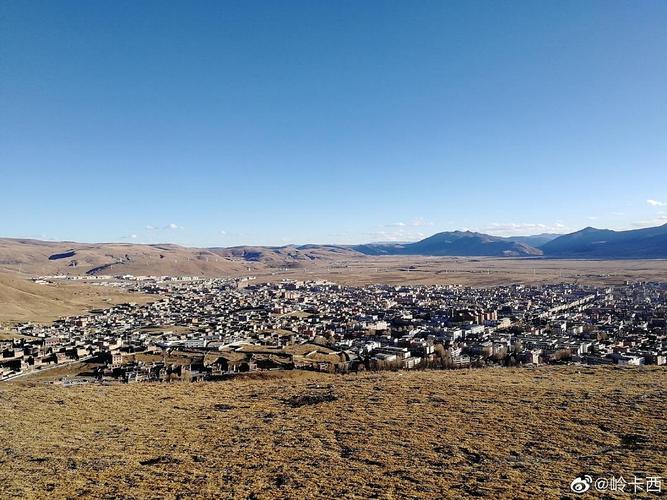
(631, 360)
(230, 362)
(116, 359)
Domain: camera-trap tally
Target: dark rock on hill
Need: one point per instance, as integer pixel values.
(64, 255)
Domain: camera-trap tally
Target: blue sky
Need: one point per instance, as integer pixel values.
(223, 123)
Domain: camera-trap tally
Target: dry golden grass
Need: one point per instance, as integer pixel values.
(23, 300)
(32, 257)
(495, 433)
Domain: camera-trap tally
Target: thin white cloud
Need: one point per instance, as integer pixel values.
(42, 237)
(658, 221)
(399, 234)
(171, 227)
(656, 203)
(223, 232)
(416, 222)
(419, 222)
(522, 229)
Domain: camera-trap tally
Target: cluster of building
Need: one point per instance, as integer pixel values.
(206, 328)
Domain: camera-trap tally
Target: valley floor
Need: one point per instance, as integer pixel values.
(492, 433)
(475, 271)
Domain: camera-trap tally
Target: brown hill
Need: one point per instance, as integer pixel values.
(288, 256)
(48, 258)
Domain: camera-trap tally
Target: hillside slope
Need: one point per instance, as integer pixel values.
(287, 256)
(536, 240)
(48, 258)
(43, 257)
(494, 433)
(649, 243)
(23, 300)
(455, 243)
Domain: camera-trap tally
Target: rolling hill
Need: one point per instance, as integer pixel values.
(286, 256)
(48, 258)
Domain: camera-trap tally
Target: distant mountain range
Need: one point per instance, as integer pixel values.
(456, 243)
(649, 243)
(48, 257)
(592, 243)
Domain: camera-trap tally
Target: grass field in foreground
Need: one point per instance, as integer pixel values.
(492, 432)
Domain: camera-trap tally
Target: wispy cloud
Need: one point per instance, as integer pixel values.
(399, 234)
(416, 222)
(171, 227)
(656, 203)
(522, 229)
(42, 237)
(657, 221)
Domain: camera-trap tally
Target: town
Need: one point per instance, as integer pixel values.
(207, 329)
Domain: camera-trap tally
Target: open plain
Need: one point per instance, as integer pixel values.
(474, 271)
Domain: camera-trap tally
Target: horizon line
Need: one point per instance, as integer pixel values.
(294, 244)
